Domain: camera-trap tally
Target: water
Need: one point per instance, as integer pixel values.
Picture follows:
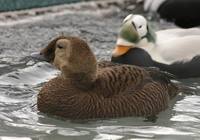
(21, 79)
(11, 5)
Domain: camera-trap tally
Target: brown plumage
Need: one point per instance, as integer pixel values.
(86, 89)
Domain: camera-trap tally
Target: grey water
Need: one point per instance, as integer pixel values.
(21, 78)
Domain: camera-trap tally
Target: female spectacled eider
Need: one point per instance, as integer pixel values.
(176, 51)
(87, 89)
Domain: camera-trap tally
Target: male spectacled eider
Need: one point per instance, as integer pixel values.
(176, 51)
(87, 89)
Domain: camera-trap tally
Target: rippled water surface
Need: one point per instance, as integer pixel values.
(21, 79)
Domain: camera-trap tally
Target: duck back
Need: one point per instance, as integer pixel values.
(182, 69)
(139, 57)
(135, 56)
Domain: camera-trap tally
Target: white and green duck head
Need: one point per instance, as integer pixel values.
(134, 29)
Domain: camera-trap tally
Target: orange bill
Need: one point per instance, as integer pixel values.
(120, 50)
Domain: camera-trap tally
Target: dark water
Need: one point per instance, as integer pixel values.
(21, 79)
(11, 5)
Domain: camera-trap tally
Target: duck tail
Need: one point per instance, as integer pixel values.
(173, 86)
(161, 76)
(179, 88)
(184, 89)
(173, 90)
(165, 78)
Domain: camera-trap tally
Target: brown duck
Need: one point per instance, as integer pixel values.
(87, 89)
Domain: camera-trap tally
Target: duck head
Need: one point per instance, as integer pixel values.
(48, 53)
(71, 55)
(134, 29)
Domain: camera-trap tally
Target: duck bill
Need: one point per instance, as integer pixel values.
(127, 39)
(38, 56)
(47, 54)
(120, 50)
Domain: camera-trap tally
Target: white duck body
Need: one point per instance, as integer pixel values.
(173, 45)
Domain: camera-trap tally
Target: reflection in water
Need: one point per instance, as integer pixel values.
(190, 104)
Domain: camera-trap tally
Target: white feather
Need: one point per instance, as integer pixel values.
(174, 45)
(140, 24)
(152, 5)
(128, 17)
(121, 41)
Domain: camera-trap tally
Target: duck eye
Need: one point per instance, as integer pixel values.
(140, 26)
(59, 46)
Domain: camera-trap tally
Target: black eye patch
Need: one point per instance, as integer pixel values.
(133, 25)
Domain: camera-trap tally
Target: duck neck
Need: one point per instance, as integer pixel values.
(123, 42)
(122, 47)
(82, 80)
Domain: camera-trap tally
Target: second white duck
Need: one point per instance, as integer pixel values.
(174, 50)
